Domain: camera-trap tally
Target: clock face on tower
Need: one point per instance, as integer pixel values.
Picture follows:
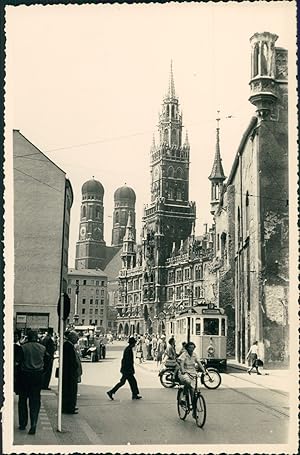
(82, 232)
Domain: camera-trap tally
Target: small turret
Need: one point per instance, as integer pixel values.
(263, 73)
(128, 254)
(217, 175)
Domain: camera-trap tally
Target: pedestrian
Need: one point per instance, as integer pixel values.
(31, 379)
(161, 347)
(170, 352)
(154, 347)
(70, 374)
(49, 344)
(139, 350)
(127, 370)
(253, 355)
(17, 362)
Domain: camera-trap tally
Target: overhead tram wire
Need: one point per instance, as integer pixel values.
(110, 139)
(43, 183)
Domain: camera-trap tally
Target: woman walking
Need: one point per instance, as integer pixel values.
(253, 355)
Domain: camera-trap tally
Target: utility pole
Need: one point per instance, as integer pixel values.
(76, 315)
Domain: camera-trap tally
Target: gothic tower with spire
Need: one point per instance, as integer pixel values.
(170, 216)
(128, 254)
(217, 175)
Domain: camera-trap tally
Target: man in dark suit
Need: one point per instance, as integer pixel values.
(127, 370)
(49, 344)
(31, 377)
(70, 374)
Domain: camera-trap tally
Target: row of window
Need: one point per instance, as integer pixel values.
(93, 311)
(184, 292)
(185, 275)
(86, 282)
(134, 285)
(83, 301)
(91, 291)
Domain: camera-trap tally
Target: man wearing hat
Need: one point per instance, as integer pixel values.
(127, 370)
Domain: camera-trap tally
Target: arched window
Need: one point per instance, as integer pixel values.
(84, 211)
(223, 244)
(166, 133)
(97, 212)
(264, 60)
(255, 60)
(199, 272)
(173, 111)
(168, 110)
(117, 217)
(170, 172)
(179, 173)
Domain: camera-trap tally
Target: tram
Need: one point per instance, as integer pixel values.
(206, 326)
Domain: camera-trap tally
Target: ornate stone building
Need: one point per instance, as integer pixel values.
(167, 242)
(251, 218)
(241, 263)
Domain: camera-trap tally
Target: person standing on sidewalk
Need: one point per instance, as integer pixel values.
(70, 374)
(48, 342)
(127, 370)
(17, 362)
(253, 355)
(31, 379)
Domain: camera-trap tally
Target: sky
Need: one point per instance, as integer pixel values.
(85, 84)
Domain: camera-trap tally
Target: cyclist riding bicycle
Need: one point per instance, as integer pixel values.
(188, 361)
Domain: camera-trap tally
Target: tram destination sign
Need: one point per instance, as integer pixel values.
(211, 311)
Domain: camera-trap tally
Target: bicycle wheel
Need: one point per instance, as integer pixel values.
(212, 380)
(182, 405)
(166, 379)
(200, 411)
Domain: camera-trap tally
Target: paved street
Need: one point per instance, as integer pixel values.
(244, 410)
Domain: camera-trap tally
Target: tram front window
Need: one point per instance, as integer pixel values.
(211, 326)
(223, 327)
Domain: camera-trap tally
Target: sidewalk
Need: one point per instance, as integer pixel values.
(75, 429)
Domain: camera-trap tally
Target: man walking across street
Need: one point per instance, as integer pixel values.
(31, 377)
(127, 370)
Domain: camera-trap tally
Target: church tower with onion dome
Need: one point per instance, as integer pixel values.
(124, 203)
(91, 247)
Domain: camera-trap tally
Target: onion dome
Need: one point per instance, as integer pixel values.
(93, 187)
(125, 192)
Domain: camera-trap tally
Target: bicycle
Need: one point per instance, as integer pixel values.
(198, 405)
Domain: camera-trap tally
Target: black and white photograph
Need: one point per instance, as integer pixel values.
(150, 228)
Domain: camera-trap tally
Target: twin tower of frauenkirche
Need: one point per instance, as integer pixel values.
(169, 218)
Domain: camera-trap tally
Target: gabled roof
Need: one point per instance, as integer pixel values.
(114, 266)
